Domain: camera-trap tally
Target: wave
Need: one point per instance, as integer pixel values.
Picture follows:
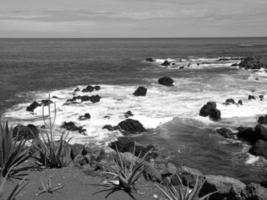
(195, 63)
(160, 105)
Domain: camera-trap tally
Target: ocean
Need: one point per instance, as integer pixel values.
(31, 69)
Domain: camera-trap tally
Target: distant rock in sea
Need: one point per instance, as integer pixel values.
(166, 80)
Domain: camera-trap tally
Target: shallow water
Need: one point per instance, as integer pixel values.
(30, 69)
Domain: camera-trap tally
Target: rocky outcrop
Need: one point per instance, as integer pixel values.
(251, 97)
(229, 101)
(166, 63)
(131, 126)
(247, 134)
(226, 133)
(85, 116)
(253, 63)
(127, 145)
(140, 91)
(91, 88)
(210, 110)
(28, 132)
(167, 81)
(93, 99)
(259, 148)
(33, 106)
(71, 126)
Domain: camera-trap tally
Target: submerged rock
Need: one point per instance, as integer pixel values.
(259, 148)
(251, 97)
(140, 91)
(85, 116)
(226, 133)
(210, 109)
(229, 101)
(128, 114)
(21, 132)
(166, 63)
(33, 106)
(167, 81)
(131, 126)
(150, 59)
(110, 128)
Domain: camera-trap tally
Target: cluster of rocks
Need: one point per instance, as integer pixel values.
(91, 88)
(255, 136)
(36, 104)
(71, 126)
(254, 63)
(127, 127)
(93, 99)
(210, 110)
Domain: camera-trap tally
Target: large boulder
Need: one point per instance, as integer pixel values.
(262, 120)
(140, 91)
(167, 81)
(210, 109)
(261, 131)
(131, 126)
(127, 145)
(28, 132)
(227, 188)
(247, 134)
(33, 106)
(259, 148)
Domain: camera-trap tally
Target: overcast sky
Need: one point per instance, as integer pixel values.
(133, 18)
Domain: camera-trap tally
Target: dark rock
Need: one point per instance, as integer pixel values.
(261, 97)
(254, 191)
(110, 128)
(97, 87)
(71, 126)
(259, 148)
(251, 97)
(240, 102)
(210, 110)
(262, 119)
(261, 131)
(227, 188)
(95, 98)
(28, 132)
(33, 106)
(150, 60)
(131, 126)
(127, 145)
(235, 65)
(247, 134)
(77, 90)
(140, 91)
(89, 88)
(167, 81)
(84, 98)
(85, 116)
(253, 63)
(229, 101)
(166, 63)
(55, 97)
(128, 114)
(226, 133)
(46, 102)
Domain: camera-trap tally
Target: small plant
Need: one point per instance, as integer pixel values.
(183, 193)
(48, 187)
(12, 154)
(125, 174)
(51, 152)
(14, 192)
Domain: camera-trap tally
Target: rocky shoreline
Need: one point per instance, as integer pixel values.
(93, 160)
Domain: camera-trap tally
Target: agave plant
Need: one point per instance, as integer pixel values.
(50, 153)
(12, 154)
(125, 174)
(183, 193)
(14, 192)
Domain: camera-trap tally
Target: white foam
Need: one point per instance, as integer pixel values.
(197, 63)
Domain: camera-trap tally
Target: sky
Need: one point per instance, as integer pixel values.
(133, 18)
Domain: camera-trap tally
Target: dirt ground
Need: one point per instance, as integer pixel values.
(78, 186)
